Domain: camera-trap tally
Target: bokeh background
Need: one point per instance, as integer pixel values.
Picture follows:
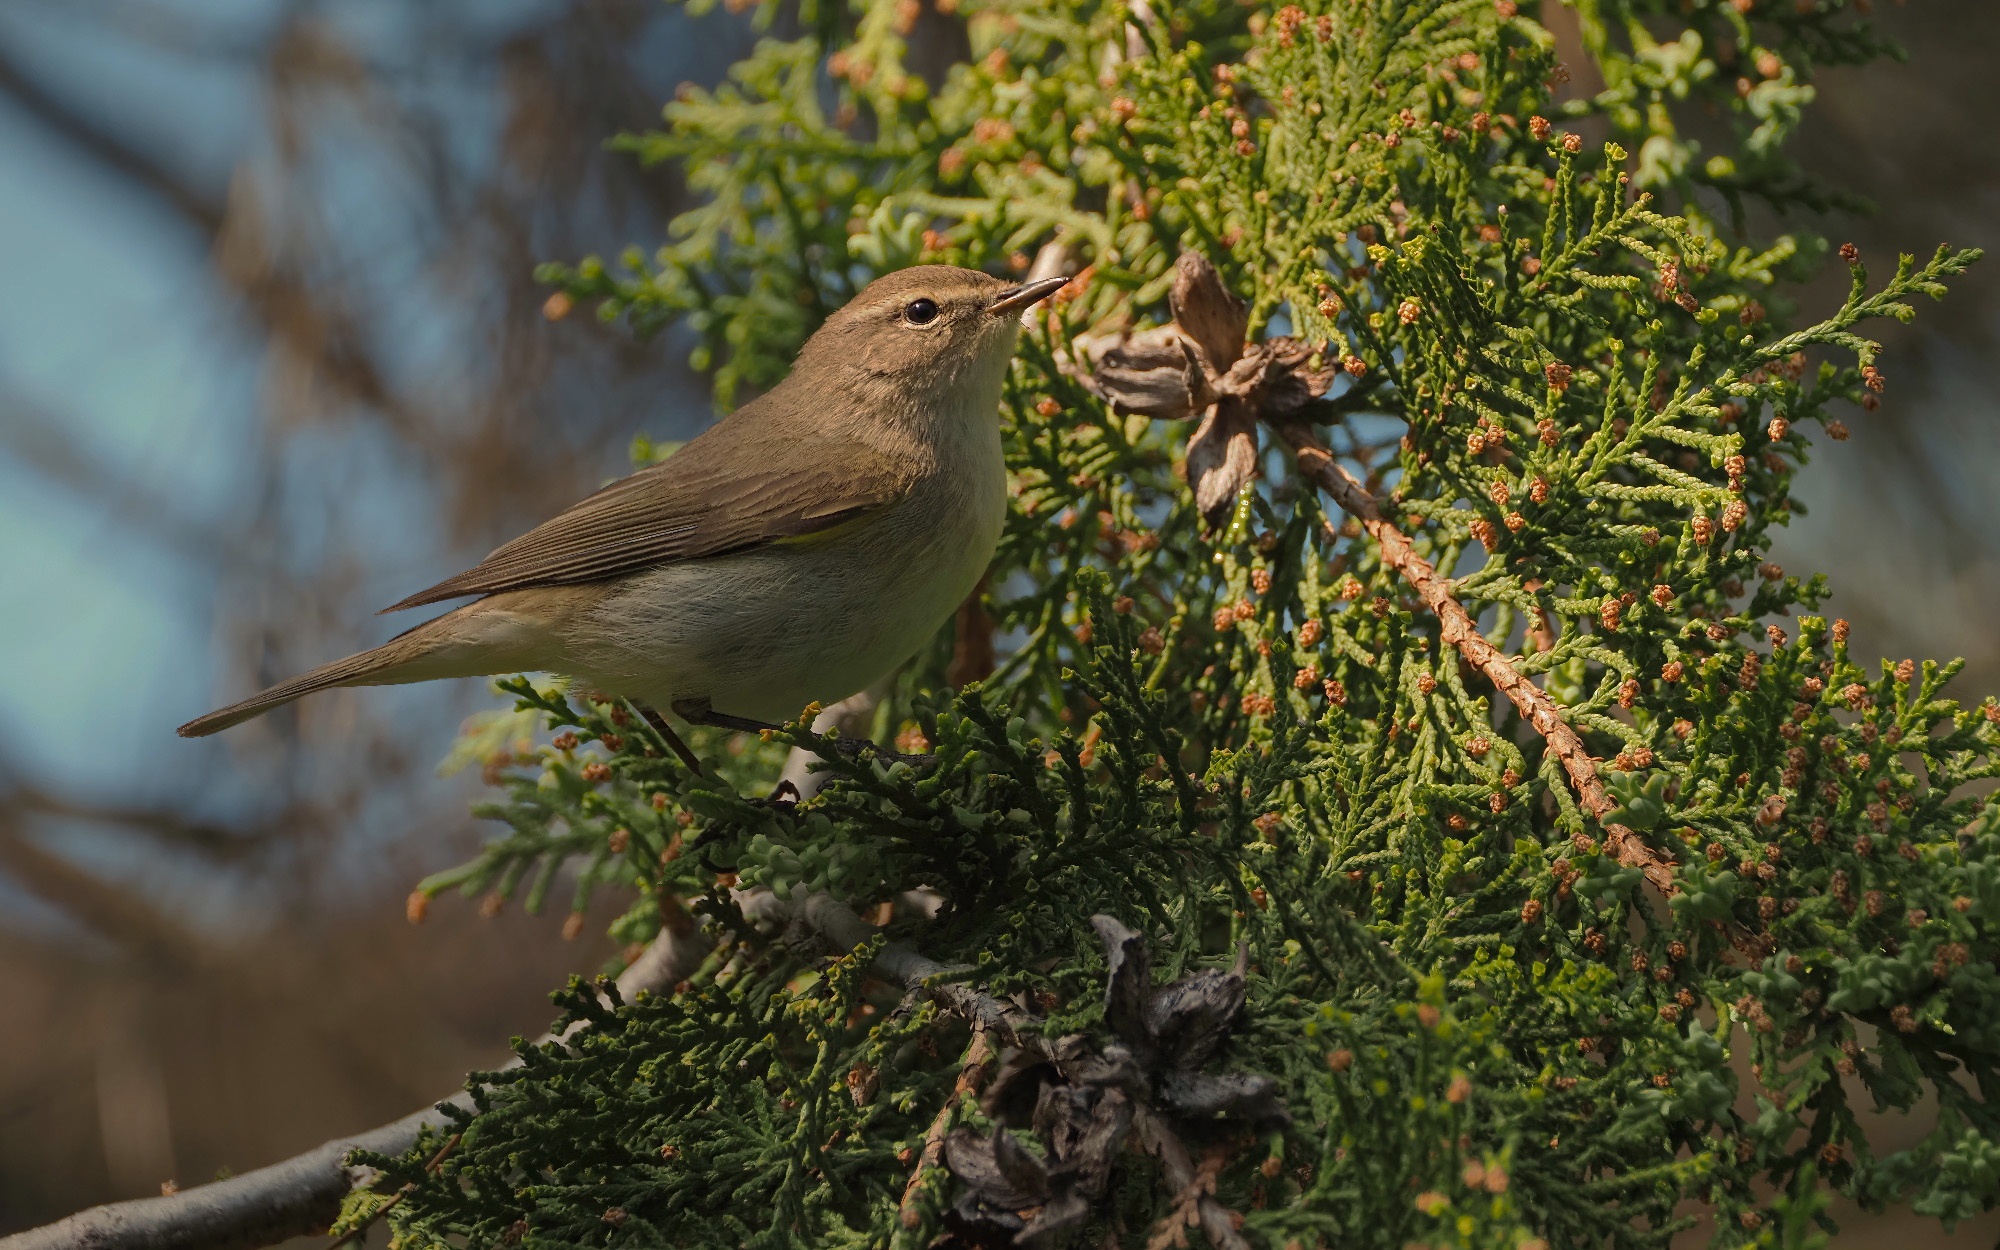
(271, 357)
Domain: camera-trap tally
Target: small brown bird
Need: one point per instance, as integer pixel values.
(797, 551)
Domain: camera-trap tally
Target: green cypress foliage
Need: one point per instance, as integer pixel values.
(1536, 794)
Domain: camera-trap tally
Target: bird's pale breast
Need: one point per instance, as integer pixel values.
(762, 633)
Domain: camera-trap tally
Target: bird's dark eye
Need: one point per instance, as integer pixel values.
(920, 312)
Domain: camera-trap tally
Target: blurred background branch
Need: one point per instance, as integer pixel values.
(273, 354)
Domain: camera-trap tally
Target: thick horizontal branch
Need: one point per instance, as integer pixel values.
(1457, 628)
(302, 1194)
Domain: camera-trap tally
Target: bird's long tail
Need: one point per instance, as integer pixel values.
(472, 641)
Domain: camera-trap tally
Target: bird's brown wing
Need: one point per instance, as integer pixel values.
(745, 482)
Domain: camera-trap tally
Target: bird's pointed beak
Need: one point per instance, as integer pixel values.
(1022, 296)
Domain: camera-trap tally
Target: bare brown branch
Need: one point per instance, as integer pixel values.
(109, 149)
(1459, 631)
(978, 1063)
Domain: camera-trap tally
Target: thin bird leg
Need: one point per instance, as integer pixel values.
(672, 739)
(698, 712)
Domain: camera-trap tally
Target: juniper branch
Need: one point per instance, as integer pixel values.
(836, 922)
(1459, 630)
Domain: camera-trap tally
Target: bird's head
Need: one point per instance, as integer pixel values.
(925, 334)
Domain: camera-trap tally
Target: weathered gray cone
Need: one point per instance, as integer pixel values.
(1154, 374)
(1200, 365)
(1013, 1197)
(1222, 458)
(1206, 312)
(1174, 1030)
(1080, 1102)
(1222, 452)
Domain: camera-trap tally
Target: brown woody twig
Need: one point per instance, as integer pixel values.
(1458, 630)
(978, 1062)
(839, 925)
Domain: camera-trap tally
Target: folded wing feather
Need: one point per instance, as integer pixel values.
(745, 482)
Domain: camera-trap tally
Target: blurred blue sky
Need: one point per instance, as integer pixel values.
(271, 357)
(173, 474)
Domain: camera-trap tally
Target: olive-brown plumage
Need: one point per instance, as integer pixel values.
(798, 550)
